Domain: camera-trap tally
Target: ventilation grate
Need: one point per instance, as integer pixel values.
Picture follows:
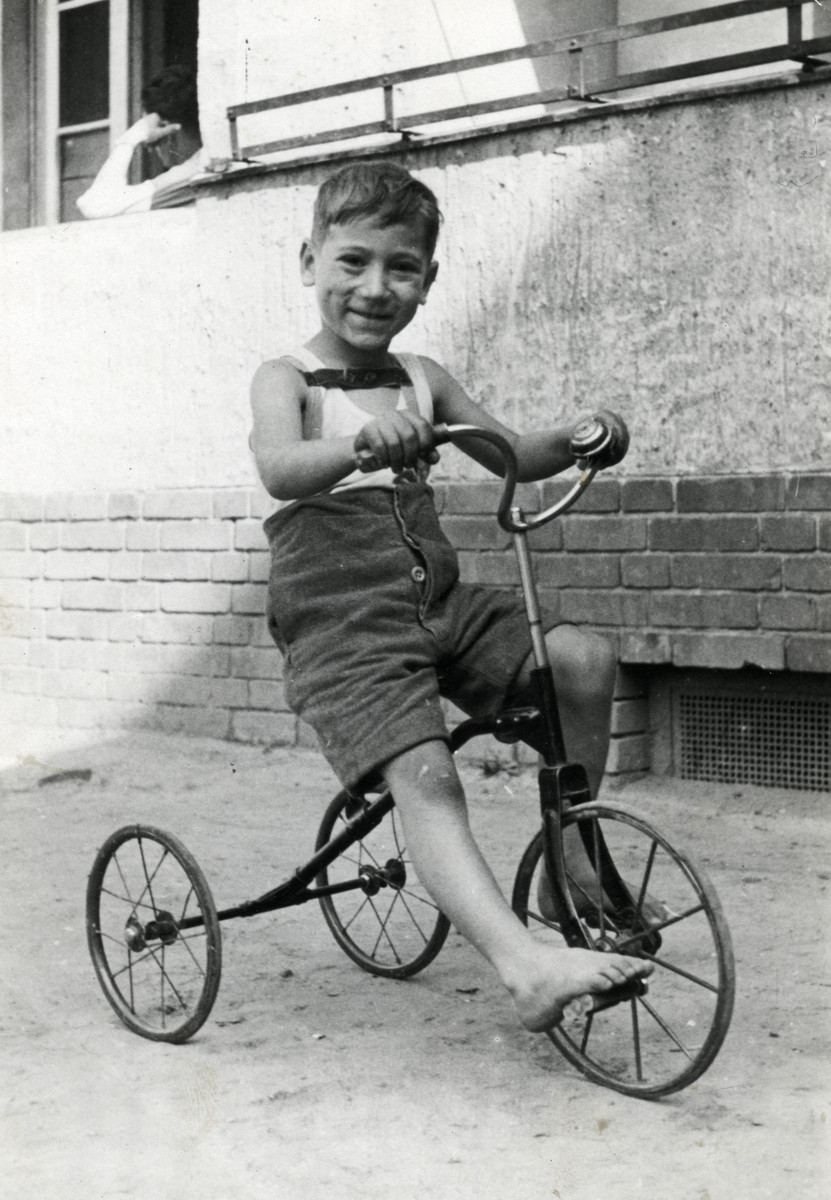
(772, 741)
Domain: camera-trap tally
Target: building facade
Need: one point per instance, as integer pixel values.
(665, 255)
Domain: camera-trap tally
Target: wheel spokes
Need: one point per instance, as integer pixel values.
(379, 915)
(160, 981)
(667, 1028)
(654, 1043)
(653, 849)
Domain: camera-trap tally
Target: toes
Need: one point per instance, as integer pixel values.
(622, 970)
(615, 974)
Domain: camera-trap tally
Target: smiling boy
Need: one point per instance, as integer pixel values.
(364, 596)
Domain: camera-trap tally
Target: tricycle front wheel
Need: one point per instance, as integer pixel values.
(653, 1044)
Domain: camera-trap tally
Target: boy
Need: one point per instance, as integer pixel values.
(364, 598)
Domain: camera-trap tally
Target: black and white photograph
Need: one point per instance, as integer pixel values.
(415, 599)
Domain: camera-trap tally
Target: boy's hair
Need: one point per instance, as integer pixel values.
(383, 191)
(172, 94)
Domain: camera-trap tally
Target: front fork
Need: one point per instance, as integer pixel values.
(563, 785)
(560, 788)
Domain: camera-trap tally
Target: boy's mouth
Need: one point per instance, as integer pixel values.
(369, 316)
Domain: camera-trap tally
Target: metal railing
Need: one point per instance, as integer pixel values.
(577, 86)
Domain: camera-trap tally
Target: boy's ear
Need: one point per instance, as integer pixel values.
(307, 263)
(429, 280)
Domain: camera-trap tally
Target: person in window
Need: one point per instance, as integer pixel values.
(170, 126)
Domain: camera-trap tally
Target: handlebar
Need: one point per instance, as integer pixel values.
(509, 516)
(590, 436)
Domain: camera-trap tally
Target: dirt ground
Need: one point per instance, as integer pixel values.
(311, 1079)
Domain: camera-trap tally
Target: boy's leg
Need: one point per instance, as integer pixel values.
(584, 668)
(542, 980)
(584, 676)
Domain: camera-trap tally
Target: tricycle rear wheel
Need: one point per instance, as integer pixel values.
(153, 933)
(389, 925)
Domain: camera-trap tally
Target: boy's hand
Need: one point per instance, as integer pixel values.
(397, 440)
(607, 431)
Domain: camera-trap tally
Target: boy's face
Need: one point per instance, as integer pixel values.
(369, 279)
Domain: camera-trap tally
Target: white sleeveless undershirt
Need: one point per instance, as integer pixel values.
(334, 413)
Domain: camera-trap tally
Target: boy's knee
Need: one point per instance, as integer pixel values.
(602, 660)
(584, 662)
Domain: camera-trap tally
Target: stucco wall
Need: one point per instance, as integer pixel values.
(671, 262)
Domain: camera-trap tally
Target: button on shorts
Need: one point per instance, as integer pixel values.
(364, 601)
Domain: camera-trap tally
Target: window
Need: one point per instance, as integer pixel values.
(86, 41)
(72, 75)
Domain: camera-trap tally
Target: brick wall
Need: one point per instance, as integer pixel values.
(127, 610)
(123, 610)
(725, 572)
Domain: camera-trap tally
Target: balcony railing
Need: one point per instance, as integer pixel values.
(579, 86)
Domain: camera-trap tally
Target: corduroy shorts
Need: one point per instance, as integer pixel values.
(365, 603)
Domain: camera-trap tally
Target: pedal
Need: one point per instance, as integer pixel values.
(617, 995)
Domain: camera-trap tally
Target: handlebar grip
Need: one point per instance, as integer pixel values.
(366, 461)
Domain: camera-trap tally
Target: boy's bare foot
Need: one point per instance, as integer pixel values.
(560, 983)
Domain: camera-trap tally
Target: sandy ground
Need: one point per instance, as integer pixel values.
(312, 1079)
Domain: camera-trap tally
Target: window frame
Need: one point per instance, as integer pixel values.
(48, 137)
(31, 135)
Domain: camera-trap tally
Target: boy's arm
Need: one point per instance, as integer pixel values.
(539, 454)
(290, 467)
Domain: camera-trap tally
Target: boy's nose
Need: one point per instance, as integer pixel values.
(374, 282)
